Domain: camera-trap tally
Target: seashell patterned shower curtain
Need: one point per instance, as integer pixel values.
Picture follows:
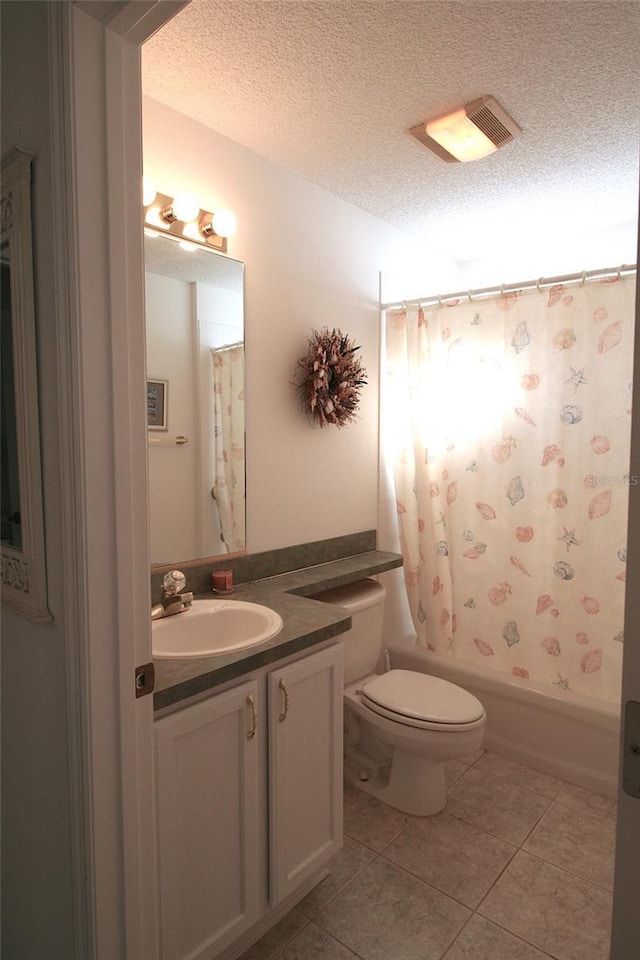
(508, 425)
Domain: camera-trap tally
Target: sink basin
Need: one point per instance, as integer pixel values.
(214, 626)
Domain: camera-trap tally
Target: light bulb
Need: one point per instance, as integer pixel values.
(187, 246)
(148, 191)
(185, 207)
(224, 223)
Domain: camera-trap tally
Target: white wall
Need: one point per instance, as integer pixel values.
(220, 316)
(563, 249)
(312, 260)
(171, 356)
(37, 916)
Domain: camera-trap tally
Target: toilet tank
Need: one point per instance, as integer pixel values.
(364, 600)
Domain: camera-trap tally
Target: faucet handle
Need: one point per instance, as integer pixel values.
(173, 582)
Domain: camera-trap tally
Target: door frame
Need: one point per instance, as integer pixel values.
(96, 109)
(624, 935)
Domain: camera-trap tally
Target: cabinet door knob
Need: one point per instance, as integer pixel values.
(282, 686)
(250, 701)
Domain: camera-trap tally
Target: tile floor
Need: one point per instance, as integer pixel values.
(518, 867)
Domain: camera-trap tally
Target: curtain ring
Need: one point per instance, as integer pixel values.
(440, 300)
(619, 277)
(538, 287)
(584, 278)
(470, 297)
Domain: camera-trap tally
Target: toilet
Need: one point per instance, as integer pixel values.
(400, 726)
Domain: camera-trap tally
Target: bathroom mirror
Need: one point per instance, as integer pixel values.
(21, 515)
(195, 402)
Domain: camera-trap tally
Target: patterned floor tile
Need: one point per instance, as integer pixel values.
(402, 886)
(371, 822)
(584, 801)
(578, 842)
(494, 805)
(273, 941)
(551, 909)
(386, 913)
(314, 944)
(451, 855)
(345, 865)
(519, 775)
(454, 769)
(483, 940)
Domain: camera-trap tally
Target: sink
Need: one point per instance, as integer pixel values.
(209, 627)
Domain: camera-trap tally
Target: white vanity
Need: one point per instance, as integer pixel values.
(248, 803)
(248, 748)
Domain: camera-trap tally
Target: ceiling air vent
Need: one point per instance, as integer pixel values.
(468, 133)
(495, 123)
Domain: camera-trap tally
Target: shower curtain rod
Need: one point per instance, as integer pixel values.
(602, 274)
(227, 346)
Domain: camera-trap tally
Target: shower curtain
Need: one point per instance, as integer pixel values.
(229, 447)
(508, 425)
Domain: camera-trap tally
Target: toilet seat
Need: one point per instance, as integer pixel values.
(420, 700)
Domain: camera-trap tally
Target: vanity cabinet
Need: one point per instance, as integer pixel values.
(249, 803)
(208, 805)
(305, 768)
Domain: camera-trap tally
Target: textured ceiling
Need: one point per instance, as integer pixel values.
(329, 90)
(167, 258)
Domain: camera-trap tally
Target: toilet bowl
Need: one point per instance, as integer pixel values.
(401, 726)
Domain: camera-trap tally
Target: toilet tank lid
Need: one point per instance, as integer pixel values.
(423, 697)
(354, 596)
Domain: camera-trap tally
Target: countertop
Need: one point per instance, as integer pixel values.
(306, 622)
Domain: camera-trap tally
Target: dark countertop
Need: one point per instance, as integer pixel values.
(306, 623)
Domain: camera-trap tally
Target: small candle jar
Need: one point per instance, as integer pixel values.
(222, 581)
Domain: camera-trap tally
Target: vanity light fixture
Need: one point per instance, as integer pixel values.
(223, 222)
(182, 219)
(468, 133)
(184, 207)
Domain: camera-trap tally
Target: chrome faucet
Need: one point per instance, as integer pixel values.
(172, 600)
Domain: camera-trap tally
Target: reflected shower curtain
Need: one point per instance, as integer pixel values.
(229, 447)
(508, 423)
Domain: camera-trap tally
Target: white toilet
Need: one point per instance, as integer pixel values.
(400, 726)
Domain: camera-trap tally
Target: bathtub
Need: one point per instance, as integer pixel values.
(572, 737)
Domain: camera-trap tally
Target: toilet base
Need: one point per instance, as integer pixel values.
(414, 786)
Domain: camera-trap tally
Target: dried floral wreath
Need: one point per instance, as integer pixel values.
(332, 378)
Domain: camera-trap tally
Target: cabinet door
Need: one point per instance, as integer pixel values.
(305, 768)
(208, 804)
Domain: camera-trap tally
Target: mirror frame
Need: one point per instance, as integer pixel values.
(23, 571)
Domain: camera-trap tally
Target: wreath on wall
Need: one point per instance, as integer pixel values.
(332, 377)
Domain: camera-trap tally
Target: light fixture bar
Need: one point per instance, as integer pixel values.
(197, 231)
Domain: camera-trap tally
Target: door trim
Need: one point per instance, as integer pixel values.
(95, 109)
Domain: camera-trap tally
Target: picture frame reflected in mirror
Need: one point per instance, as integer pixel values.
(157, 393)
